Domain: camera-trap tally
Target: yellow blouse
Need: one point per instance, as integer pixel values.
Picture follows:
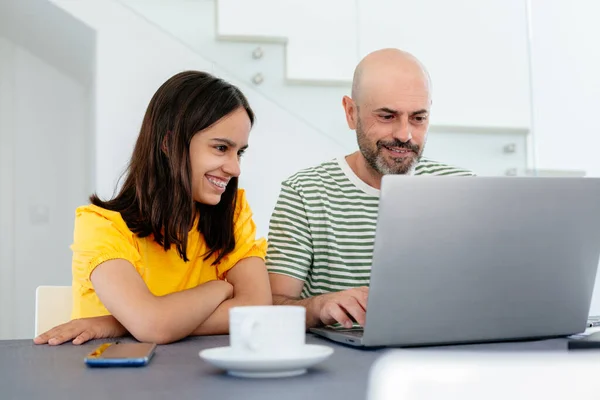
(102, 235)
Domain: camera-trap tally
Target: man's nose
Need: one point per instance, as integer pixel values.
(402, 132)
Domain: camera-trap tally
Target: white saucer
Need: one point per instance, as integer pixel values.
(263, 366)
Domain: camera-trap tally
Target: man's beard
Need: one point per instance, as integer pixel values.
(379, 162)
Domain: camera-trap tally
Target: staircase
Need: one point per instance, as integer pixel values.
(260, 61)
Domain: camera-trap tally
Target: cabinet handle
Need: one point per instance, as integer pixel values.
(258, 78)
(257, 53)
(510, 148)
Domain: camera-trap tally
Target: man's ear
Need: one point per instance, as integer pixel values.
(351, 111)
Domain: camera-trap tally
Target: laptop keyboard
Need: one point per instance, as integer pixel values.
(351, 332)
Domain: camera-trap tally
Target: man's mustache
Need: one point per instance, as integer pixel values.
(399, 144)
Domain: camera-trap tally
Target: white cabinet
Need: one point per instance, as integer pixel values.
(487, 153)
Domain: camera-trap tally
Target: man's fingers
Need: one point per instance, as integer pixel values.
(360, 294)
(334, 313)
(353, 307)
(361, 297)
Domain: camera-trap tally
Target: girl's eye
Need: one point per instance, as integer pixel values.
(221, 148)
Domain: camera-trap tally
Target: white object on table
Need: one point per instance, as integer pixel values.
(468, 375)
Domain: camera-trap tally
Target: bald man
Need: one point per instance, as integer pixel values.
(322, 231)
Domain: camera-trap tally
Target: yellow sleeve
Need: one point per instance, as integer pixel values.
(246, 244)
(100, 235)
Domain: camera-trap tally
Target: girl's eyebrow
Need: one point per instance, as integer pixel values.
(228, 142)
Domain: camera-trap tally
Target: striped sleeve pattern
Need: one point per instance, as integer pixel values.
(290, 249)
(322, 230)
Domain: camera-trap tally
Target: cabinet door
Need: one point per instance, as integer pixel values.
(485, 153)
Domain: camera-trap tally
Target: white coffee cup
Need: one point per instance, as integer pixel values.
(267, 330)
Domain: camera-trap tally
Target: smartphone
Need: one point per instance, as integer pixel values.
(121, 355)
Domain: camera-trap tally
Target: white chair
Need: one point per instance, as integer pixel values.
(52, 307)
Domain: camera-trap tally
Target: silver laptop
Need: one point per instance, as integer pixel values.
(480, 259)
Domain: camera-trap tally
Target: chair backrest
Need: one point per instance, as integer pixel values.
(52, 307)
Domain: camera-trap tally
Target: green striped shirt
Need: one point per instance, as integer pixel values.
(322, 230)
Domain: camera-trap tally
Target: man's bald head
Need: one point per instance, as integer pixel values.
(385, 69)
(389, 110)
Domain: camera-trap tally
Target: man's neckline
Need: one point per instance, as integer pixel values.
(359, 183)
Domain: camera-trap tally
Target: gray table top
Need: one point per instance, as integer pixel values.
(28, 371)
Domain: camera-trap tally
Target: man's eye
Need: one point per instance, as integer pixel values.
(387, 117)
(421, 119)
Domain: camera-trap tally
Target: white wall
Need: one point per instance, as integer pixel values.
(58, 38)
(566, 87)
(476, 51)
(6, 187)
(478, 64)
(44, 139)
(566, 63)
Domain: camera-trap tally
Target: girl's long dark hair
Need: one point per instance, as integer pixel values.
(156, 196)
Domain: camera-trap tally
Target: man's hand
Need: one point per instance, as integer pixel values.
(82, 330)
(342, 307)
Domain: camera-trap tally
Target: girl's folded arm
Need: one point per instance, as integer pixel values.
(150, 318)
